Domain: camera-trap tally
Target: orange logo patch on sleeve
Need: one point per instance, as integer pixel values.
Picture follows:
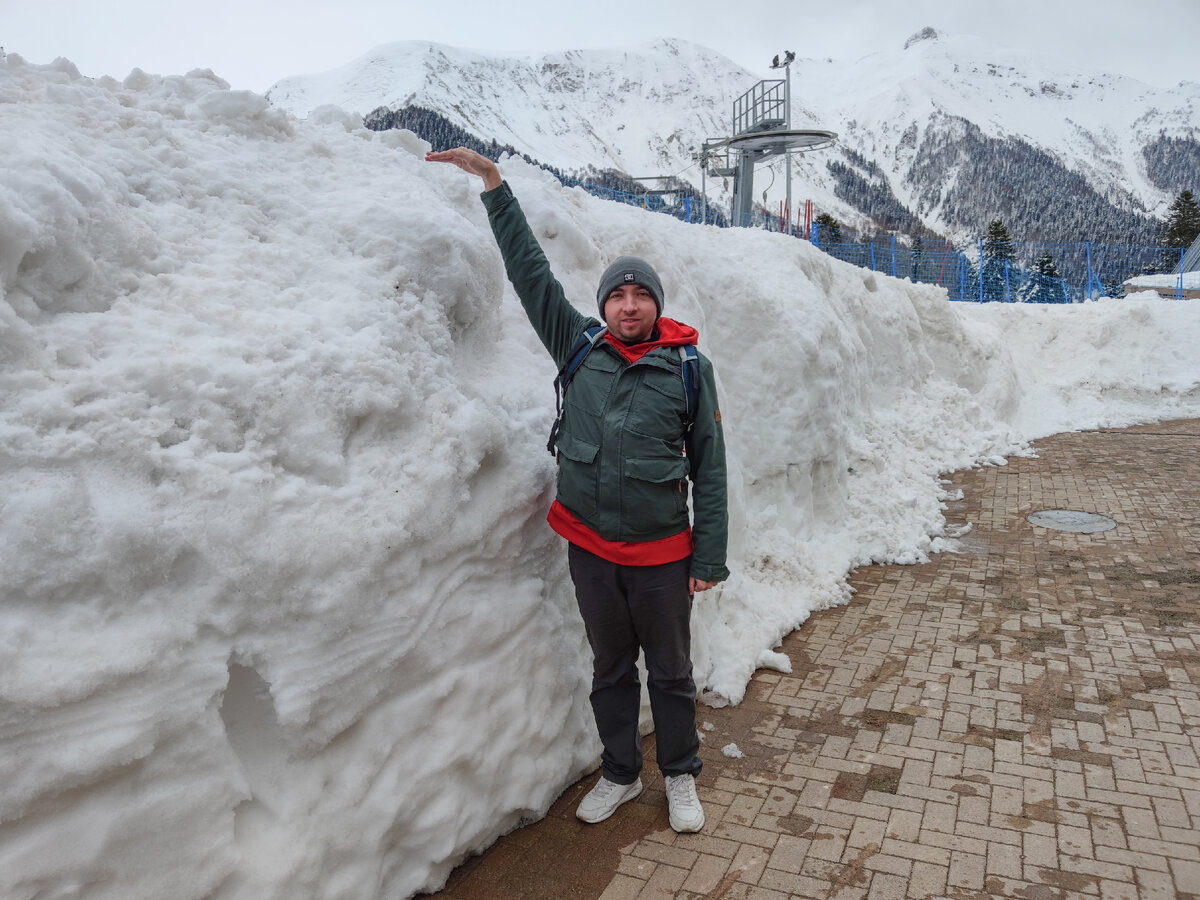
(717, 415)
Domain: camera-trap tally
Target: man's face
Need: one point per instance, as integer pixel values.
(630, 313)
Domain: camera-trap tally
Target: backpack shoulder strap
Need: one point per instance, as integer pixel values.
(689, 370)
(583, 346)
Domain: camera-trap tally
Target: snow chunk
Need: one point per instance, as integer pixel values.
(403, 139)
(245, 113)
(330, 114)
(771, 659)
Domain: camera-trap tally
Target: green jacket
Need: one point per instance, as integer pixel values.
(622, 465)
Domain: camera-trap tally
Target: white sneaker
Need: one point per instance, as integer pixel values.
(687, 815)
(602, 800)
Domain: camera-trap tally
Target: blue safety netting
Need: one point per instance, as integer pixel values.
(1036, 272)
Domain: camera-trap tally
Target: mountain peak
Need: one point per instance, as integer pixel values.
(925, 34)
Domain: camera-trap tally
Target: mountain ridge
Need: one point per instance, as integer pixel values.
(925, 115)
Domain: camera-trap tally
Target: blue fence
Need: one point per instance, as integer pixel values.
(1036, 273)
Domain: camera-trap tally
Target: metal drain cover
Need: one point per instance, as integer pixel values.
(1071, 520)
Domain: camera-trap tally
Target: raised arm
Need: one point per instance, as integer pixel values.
(557, 323)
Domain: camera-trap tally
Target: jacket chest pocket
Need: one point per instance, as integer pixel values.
(658, 407)
(592, 384)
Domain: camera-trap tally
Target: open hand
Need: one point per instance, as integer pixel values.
(471, 162)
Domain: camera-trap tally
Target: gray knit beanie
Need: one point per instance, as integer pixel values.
(629, 270)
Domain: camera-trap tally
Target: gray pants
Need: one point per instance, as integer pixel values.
(625, 608)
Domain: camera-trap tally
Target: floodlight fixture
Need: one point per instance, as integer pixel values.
(788, 58)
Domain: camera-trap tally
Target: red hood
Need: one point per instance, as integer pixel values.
(669, 334)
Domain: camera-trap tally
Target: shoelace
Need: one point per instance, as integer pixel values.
(604, 788)
(678, 789)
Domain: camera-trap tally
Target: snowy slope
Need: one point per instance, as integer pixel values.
(646, 110)
(281, 613)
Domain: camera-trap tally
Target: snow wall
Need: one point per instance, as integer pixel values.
(281, 615)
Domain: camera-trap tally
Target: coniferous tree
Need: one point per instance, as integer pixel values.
(830, 231)
(1112, 285)
(1183, 221)
(1178, 232)
(916, 255)
(998, 255)
(1045, 285)
(997, 244)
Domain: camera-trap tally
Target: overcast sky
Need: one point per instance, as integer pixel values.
(254, 43)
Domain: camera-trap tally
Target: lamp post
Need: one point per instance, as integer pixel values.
(788, 58)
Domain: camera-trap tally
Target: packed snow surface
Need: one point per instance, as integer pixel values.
(1188, 281)
(281, 613)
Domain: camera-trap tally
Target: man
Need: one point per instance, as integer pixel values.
(625, 449)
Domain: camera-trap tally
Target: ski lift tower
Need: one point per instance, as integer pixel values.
(762, 128)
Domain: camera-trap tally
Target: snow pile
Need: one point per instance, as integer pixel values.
(282, 616)
(1109, 363)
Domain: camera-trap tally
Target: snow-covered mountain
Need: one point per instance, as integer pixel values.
(945, 131)
(641, 111)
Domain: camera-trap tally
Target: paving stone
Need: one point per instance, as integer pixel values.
(622, 887)
(789, 853)
(1019, 717)
(887, 887)
(664, 884)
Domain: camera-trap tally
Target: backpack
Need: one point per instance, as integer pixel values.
(689, 371)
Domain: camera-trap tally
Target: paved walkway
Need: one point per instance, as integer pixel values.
(1018, 719)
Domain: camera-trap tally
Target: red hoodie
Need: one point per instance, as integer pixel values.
(631, 553)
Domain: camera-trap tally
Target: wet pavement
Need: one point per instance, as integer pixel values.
(1020, 718)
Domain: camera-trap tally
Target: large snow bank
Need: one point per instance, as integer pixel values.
(281, 615)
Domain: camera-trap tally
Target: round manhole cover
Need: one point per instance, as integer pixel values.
(1071, 520)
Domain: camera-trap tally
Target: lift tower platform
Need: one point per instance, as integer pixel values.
(761, 129)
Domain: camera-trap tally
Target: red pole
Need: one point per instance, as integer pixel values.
(944, 258)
